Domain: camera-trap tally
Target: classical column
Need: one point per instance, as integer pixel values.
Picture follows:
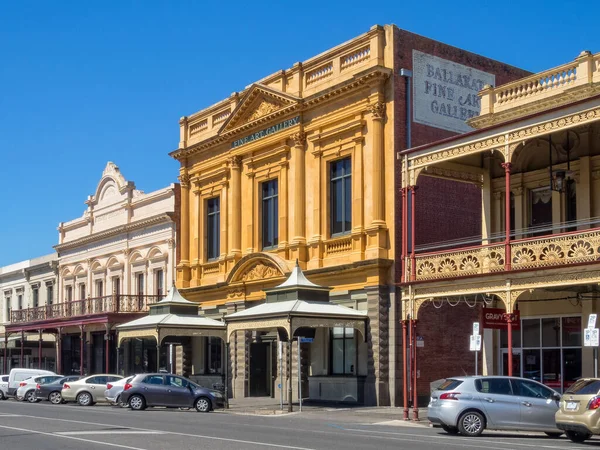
(59, 368)
(283, 206)
(184, 235)
(404, 236)
(298, 177)
(236, 205)
(377, 111)
(358, 199)
(507, 257)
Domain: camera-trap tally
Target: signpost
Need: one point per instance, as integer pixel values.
(591, 338)
(300, 373)
(280, 359)
(475, 344)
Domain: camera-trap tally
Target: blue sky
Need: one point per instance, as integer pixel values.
(83, 83)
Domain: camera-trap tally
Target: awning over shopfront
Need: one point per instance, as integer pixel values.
(297, 303)
(172, 316)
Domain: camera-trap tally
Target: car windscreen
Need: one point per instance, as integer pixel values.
(584, 387)
(449, 385)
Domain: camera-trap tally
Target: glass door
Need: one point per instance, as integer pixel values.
(516, 360)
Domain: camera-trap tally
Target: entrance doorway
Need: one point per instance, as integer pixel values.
(516, 362)
(260, 369)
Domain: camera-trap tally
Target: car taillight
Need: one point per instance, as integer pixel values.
(594, 403)
(109, 386)
(22, 383)
(127, 386)
(449, 396)
(66, 386)
(37, 386)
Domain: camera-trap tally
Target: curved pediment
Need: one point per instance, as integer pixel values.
(257, 267)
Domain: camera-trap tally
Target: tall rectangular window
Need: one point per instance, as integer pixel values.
(20, 301)
(213, 228)
(49, 294)
(116, 285)
(343, 351)
(213, 355)
(7, 307)
(99, 288)
(270, 214)
(36, 297)
(159, 275)
(82, 291)
(69, 293)
(140, 283)
(341, 196)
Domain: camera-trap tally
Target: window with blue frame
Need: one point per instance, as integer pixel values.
(270, 214)
(213, 228)
(341, 196)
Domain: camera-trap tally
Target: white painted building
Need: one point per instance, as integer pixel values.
(113, 262)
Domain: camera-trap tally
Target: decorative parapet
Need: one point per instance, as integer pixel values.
(304, 79)
(531, 253)
(457, 263)
(537, 92)
(338, 245)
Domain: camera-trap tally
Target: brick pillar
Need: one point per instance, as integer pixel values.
(377, 389)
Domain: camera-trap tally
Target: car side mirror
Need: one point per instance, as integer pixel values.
(556, 396)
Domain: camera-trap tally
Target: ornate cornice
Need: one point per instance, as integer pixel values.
(160, 218)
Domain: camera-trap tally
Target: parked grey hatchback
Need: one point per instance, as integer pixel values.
(172, 391)
(468, 405)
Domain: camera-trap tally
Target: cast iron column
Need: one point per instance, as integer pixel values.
(413, 208)
(82, 338)
(415, 397)
(290, 407)
(22, 350)
(510, 343)
(405, 370)
(40, 350)
(507, 254)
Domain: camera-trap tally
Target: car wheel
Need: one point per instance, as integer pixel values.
(137, 402)
(2, 396)
(578, 437)
(553, 435)
(55, 398)
(202, 404)
(84, 399)
(30, 396)
(471, 423)
(450, 430)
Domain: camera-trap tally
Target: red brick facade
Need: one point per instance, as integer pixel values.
(445, 210)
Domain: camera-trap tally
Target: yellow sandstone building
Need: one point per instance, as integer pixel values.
(299, 168)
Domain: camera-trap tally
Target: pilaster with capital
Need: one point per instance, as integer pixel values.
(183, 268)
(236, 205)
(297, 196)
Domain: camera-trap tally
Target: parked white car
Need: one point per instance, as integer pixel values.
(3, 387)
(113, 391)
(26, 389)
(16, 376)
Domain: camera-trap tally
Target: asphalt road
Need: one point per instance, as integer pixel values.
(69, 427)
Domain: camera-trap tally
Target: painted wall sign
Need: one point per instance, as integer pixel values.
(445, 93)
(267, 131)
(496, 318)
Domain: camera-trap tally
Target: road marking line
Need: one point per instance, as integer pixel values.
(89, 441)
(10, 415)
(240, 441)
(111, 432)
(456, 438)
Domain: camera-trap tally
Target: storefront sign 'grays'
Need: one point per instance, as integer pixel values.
(445, 93)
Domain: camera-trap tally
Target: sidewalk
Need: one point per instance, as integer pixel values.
(271, 406)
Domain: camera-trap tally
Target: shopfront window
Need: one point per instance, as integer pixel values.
(343, 351)
(213, 355)
(550, 352)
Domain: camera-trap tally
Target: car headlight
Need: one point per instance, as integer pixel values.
(217, 394)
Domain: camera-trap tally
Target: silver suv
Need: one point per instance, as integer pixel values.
(468, 405)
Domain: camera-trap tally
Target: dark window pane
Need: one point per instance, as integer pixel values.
(340, 196)
(516, 338)
(551, 361)
(449, 385)
(499, 386)
(532, 367)
(571, 365)
(213, 228)
(531, 389)
(270, 214)
(571, 331)
(551, 332)
(531, 332)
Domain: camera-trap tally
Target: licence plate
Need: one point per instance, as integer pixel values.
(571, 406)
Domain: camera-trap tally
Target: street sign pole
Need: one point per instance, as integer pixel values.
(299, 377)
(595, 362)
(476, 345)
(280, 355)
(476, 361)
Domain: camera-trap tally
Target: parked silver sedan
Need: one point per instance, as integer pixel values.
(113, 391)
(468, 405)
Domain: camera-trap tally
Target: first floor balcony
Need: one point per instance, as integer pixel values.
(108, 304)
(544, 247)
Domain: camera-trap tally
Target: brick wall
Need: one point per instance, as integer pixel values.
(445, 210)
